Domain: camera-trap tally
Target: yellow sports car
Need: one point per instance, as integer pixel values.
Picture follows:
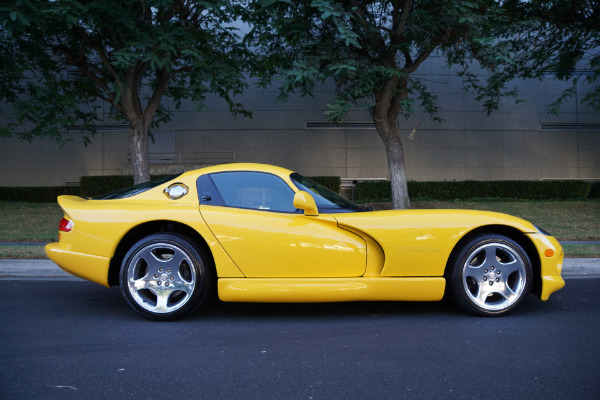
(259, 233)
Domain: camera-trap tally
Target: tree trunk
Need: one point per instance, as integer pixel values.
(395, 154)
(385, 114)
(138, 148)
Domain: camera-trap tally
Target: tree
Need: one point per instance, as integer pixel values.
(60, 57)
(371, 50)
(563, 38)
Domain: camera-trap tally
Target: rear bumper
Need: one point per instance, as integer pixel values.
(86, 266)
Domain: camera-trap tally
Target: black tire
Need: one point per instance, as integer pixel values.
(490, 275)
(165, 276)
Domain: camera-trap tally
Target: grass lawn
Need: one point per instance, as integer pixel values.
(582, 250)
(22, 252)
(29, 222)
(567, 220)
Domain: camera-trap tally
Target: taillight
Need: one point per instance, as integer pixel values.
(65, 225)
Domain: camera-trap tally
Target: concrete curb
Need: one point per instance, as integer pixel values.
(33, 269)
(46, 269)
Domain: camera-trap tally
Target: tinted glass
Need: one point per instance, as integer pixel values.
(327, 200)
(255, 190)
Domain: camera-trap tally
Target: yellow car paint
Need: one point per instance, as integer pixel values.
(86, 266)
(551, 267)
(266, 256)
(413, 250)
(280, 245)
(306, 290)
(304, 201)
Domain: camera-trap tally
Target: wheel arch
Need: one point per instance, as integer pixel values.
(512, 233)
(146, 229)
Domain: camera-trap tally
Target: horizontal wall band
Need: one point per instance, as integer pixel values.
(570, 127)
(333, 125)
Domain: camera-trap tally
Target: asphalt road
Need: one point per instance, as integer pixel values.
(78, 340)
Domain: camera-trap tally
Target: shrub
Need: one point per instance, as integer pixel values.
(595, 191)
(330, 182)
(92, 186)
(45, 194)
(376, 191)
(469, 190)
(372, 191)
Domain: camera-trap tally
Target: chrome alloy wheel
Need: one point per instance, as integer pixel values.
(494, 276)
(161, 277)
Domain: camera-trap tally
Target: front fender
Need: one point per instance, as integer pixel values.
(419, 242)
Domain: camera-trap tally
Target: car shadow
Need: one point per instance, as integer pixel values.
(108, 303)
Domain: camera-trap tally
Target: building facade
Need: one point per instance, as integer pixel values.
(518, 142)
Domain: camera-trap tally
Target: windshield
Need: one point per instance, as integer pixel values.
(135, 189)
(327, 200)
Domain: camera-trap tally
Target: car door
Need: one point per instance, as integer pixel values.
(253, 217)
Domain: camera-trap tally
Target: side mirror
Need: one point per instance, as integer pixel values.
(304, 201)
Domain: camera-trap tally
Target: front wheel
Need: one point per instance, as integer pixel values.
(165, 276)
(490, 275)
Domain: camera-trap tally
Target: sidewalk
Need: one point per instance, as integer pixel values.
(46, 269)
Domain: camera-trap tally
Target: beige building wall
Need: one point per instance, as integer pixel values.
(519, 141)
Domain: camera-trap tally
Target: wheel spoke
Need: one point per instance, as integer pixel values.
(151, 261)
(162, 300)
(483, 293)
(183, 286)
(508, 294)
(510, 267)
(490, 256)
(141, 284)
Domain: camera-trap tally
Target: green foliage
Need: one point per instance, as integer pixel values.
(60, 58)
(465, 190)
(45, 194)
(370, 47)
(561, 38)
(365, 192)
(371, 51)
(92, 186)
(595, 192)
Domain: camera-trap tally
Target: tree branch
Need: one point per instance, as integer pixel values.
(84, 66)
(164, 77)
(377, 45)
(99, 50)
(400, 23)
(433, 44)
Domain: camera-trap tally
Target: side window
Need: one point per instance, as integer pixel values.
(254, 190)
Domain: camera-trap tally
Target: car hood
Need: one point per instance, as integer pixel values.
(434, 219)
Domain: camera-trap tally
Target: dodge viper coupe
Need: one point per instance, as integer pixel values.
(259, 233)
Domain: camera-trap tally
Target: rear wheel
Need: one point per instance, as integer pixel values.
(490, 275)
(165, 276)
